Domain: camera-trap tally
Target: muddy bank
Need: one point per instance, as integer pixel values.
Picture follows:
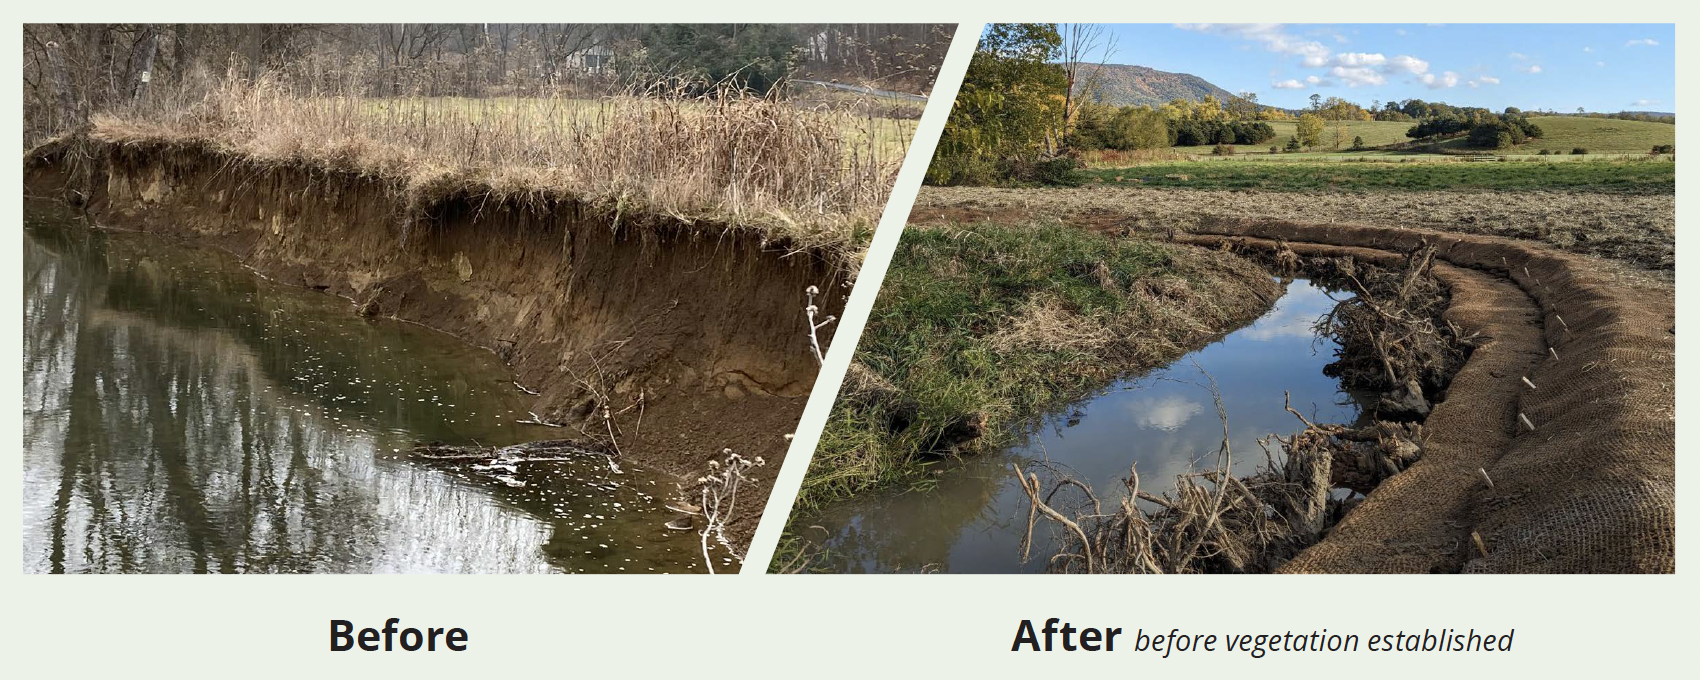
(692, 334)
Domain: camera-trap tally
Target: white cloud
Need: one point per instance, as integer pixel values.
(1600, 64)
(1473, 84)
(1587, 49)
(1519, 56)
(1408, 64)
(1355, 76)
(1642, 42)
(1489, 80)
(1273, 37)
(1434, 82)
(1353, 69)
(1530, 69)
(1165, 413)
(1401, 31)
(1359, 59)
(1646, 102)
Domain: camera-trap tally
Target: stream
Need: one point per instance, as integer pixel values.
(184, 415)
(1164, 420)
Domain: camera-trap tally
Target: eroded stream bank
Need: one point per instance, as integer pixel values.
(687, 333)
(182, 415)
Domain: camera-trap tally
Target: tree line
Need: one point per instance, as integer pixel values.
(71, 70)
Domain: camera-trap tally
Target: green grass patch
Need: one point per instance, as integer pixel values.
(997, 323)
(1643, 176)
(1562, 134)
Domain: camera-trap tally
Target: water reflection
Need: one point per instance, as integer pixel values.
(181, 416)
(1164, 421)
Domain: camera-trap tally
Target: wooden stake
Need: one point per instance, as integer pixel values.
(1554, 353)
(1526, 382)
(1526, 422)
(1478, 539)
(1485, 477)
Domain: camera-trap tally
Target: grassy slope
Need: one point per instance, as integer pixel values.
(1597, 135)
(1007, 321)
(1603, 176)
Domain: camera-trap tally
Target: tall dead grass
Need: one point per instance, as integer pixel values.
(815, 177)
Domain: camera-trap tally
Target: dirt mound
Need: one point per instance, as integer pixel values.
(690, 335)
(1574, 475)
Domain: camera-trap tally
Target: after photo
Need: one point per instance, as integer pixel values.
(1247, 298)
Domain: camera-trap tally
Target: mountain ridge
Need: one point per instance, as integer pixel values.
(1130, 84)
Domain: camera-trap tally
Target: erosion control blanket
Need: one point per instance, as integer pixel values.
(1574, 475)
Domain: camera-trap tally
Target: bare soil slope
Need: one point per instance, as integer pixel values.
(698, 329)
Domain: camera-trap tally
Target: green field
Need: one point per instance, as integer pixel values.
(1374, 132)
(1600, 136)
(1561, 134)
(1638, 176)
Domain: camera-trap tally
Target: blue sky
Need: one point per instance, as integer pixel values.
(1602, 67)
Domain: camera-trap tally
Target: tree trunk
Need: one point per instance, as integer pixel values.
(142, 66)
(60, 79)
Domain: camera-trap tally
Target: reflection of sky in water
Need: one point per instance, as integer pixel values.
(1164, 422)
(179, 416)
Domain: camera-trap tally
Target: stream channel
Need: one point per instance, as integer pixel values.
(182, 414)
(1164, 420)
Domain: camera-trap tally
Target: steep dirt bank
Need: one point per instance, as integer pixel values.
(696, 328)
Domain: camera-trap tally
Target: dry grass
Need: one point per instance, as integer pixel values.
(814, 178)
(1638, 231)
(1118, 158)
(1047, 323)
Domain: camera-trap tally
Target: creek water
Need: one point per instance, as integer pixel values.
(184, 415)
(1164, 420)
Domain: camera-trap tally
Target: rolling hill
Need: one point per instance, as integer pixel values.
(1125, 84)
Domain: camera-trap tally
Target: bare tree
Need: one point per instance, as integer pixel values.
(1080, 42)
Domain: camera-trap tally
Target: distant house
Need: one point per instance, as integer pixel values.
(594, 59)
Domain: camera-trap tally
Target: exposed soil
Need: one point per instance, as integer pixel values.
(1575, 475)
(698, 329)
(1637, 230)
